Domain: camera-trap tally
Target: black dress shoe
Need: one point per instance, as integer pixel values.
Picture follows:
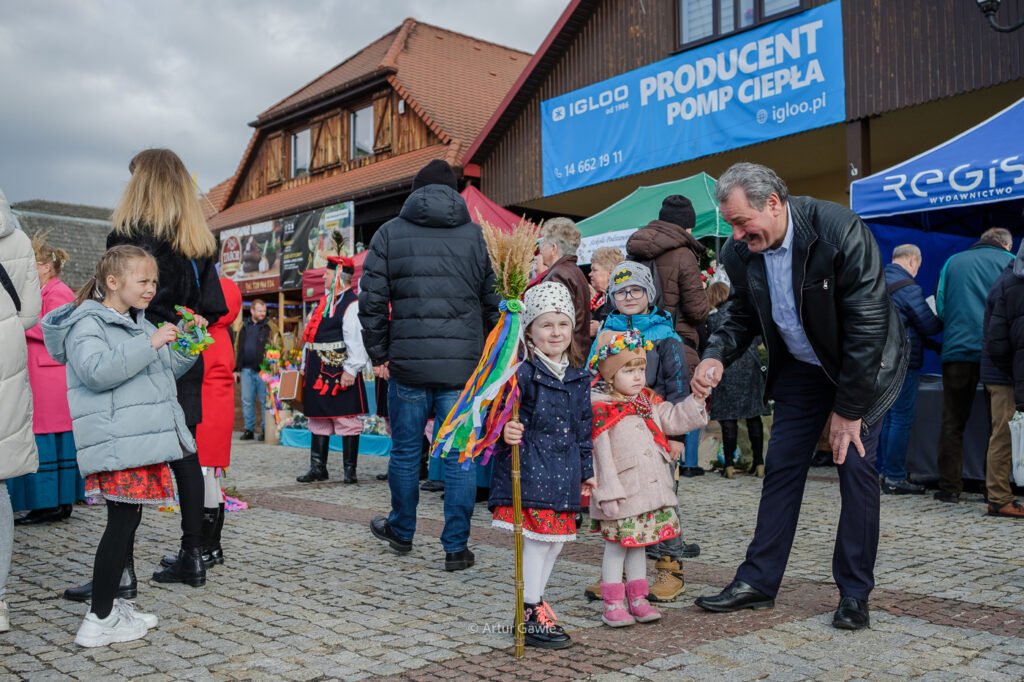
(542, 632)
(852, 614)
(690, 472)
(128, 588)
(37, 516)
(381, 530)
(382, 477)
(943, 496)
(247, 435)
(738, 595)
(457, 561)
(432, 486)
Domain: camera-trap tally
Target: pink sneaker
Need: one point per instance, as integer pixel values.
(615, 614)
(636, 594)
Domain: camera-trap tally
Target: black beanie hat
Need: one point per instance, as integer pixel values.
(437, 172)
(678, 210)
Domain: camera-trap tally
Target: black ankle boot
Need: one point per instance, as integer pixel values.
(349, 458)
(317, 460)
(128, 588)
(540, 630)
(188, 569)
(216, 553)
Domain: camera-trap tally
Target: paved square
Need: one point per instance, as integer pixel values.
(307, 593)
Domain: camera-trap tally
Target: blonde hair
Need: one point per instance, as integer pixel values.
(48, 254)
(117, 261)
(718, 293)
(561, 232)
(161, 198)
(606, 257)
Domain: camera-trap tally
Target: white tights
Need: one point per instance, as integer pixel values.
(212, 497)
(538, 561)
(617, 557)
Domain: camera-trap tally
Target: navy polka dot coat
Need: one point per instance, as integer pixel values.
(556, 452)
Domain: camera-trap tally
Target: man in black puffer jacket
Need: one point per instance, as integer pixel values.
(426, 303)
(1002, 363)
(807, 277)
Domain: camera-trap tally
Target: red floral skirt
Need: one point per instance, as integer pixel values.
(546, 525)
(142, 485)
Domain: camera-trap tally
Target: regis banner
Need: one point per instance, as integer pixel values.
(777, 79)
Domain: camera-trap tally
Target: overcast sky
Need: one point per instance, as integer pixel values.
(85, 85)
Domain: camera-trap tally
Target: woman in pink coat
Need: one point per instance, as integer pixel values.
(50, 493)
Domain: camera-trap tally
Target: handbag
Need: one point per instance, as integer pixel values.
(1017, 447)
(371, 440)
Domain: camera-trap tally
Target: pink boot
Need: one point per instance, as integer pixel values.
(636, 594)
(615, 613)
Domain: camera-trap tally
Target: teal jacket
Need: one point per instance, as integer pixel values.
(964, 284)
(123, 400)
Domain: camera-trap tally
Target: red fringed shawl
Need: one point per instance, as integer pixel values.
(608, 414)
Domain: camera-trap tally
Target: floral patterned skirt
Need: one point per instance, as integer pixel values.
(545, 525)
(641, 530)
(142, 485)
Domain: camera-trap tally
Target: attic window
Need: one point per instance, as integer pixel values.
(301, 153)
(361, 127)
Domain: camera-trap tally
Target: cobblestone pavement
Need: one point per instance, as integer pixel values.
(307, 593)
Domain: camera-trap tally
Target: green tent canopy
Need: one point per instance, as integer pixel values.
(613, 226)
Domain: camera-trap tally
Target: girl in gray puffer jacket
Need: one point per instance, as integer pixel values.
(125, 417)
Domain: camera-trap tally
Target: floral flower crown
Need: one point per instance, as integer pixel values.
(631, 339)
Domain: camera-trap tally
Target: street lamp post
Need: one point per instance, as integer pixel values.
(989, 9)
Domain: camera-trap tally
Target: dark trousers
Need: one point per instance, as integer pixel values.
(191, 493)
(803, 402)
(118, 537)
(959, 385)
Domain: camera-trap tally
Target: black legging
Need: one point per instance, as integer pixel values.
(191, 492)
(122, 520)
(730, 436)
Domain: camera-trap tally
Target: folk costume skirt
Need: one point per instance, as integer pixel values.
(641, 530)
(57, 481)
(545, 525)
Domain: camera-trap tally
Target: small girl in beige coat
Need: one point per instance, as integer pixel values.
(633, 504)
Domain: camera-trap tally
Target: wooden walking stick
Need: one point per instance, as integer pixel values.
(517, 543)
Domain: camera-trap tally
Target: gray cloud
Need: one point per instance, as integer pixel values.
(85, 85)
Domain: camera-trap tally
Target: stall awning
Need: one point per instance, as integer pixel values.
(480, 205)
(981, 166)
(613, 226)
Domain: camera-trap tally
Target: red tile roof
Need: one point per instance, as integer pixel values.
(451, 80)
(397, 171)
(214, 200)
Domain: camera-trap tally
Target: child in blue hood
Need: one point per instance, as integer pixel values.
(632, 291)
(126, 420)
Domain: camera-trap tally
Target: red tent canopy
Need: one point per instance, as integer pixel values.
(493, 213)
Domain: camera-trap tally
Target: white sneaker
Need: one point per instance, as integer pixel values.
(129, 610)
(114, 628)
(5, 617)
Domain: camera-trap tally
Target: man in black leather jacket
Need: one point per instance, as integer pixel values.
(807, 276)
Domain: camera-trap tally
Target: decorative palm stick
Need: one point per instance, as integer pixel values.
(490, 398)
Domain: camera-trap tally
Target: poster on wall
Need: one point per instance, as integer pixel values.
(307, 240)
(778, 79)
(249, 256)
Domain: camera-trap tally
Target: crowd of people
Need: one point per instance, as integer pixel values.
(619, 376)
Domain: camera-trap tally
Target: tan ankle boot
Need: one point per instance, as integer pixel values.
(668, 580)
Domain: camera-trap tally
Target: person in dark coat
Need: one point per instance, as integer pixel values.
(807, 278)
(252, 343)
(160, 213)
(559, 241)
(920, 323)
(553, 433)
(426, 301)
(1003, 356)
(740, 395)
